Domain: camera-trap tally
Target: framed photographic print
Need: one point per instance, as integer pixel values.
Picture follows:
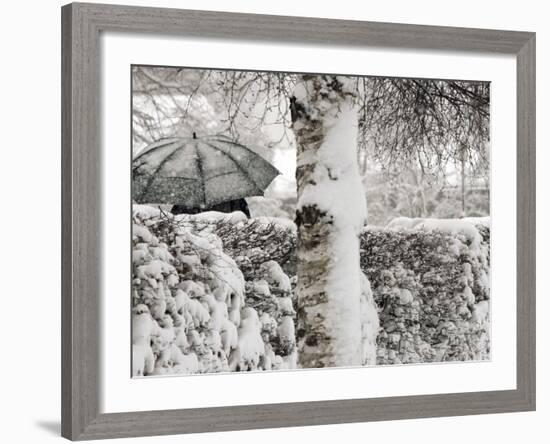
(280, 221)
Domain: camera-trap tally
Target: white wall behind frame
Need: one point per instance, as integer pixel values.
(30, 181)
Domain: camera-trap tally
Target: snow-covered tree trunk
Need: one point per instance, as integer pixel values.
(330, 213)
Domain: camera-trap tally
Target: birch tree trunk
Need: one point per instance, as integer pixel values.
(330, 213)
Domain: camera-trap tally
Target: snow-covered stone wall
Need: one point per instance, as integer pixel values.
(214, 292)
(431, 282)
(194, 311)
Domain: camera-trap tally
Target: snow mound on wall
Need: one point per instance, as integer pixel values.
(190, 311)
(467, 226)
(484, 220)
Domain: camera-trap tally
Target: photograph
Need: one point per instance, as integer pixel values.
(289, 221)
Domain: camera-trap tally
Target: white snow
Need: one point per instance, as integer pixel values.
(285, 330)
(405, 296)
(369, 323)
(277, 276)
(251, 345)
(142, 233)
(282, 222)
(452, 226)
(481, 312)
(261, 288)
(214, 217)
(229, 336)
(465, 226)
(404, 222)
(484, 220)
(145, 211)
(285, 305)
(338, 188)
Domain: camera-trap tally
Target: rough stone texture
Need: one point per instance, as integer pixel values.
(428, 286)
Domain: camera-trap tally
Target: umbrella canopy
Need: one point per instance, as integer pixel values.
(199, 173)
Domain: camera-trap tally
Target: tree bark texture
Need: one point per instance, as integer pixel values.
(331, 211)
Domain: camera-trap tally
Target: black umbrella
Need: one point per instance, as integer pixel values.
(199, 172)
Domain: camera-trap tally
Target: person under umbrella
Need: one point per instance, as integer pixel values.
(200, 174)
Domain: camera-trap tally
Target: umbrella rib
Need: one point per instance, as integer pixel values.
(227, 173)
(201, 173)
(238, 166)
(244, 147)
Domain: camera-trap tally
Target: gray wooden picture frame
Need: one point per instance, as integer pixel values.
(81, 231)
